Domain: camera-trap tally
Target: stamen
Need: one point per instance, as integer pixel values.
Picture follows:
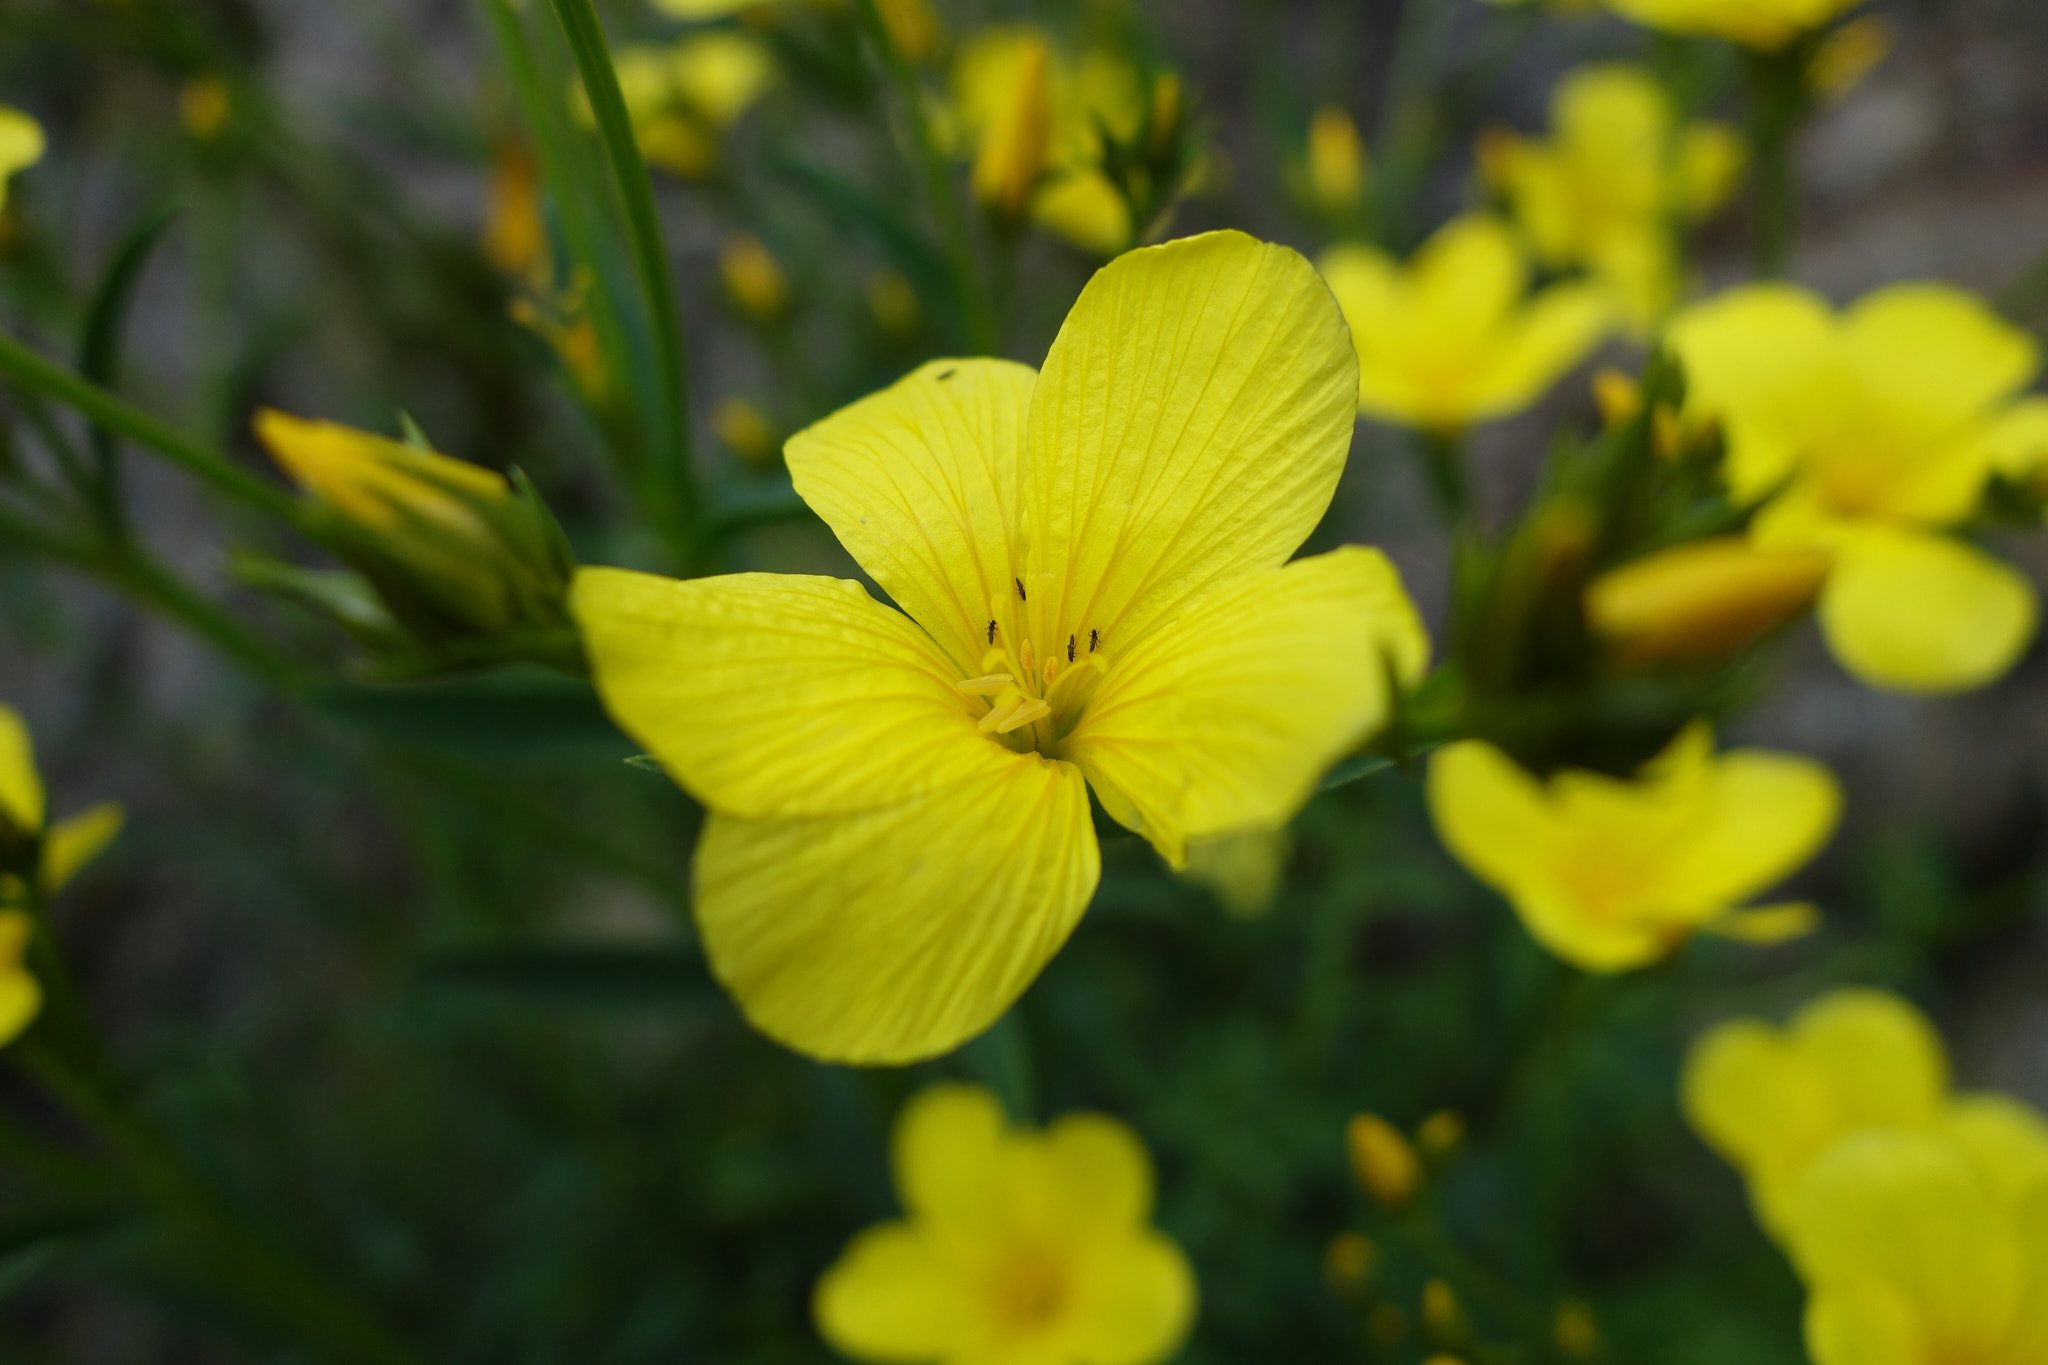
(999, 715)
(1023, 715)
(1028, 659)
(1052, 670)
(988, 686)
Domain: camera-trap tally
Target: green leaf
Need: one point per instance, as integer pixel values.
(1356, 769)
(573, 976)
(99, 352)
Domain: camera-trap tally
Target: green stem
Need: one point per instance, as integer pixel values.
(1443, 464)
(675, 483)
(978, 316)
(1778, 105)
(30, 370)
(1411, 119)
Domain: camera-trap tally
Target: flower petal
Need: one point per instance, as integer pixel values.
(1097, 1178)
(1863, 1324)
(1755, 358)
(1225, 717)
(1136, 1302)
(920, 484)
(1560, 327)
(1491, 814)
(895, 1294)
(1936, 355)
(77, 841)
(776, 694)
(21, 995)
(1906, 1212)
(896, 934)
(1189, 426)
(2006, 1139)
(948, 1153)
(1924, 613)
(21, 787)
(1762, 816)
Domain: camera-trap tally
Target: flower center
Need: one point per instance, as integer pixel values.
(1030, 1290)
(1035, 695)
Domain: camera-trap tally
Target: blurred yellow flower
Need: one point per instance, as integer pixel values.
(1450, 340)
(21, 995)
(515, 237)
(681, 96)
(1243, 871)
(1575, 1331)
(21, 146)
(1765, 24)
(913, 28)
(1703, 602)
(1016, 1246)
(1927, 1249)
(1850, 53)
(53, 855)
(451, 537)
(753, 278)
(893, 301)
(1382, 1161)
(1616, 179)
(1770, 1100)
(696, 11)
(900, 835)
(745, 430)
(1033, 120)
(204, 106)
(1612, 874)
(1863, 436)
(1349, 1261)
(1337, 161)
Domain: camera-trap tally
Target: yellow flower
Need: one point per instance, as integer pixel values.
(1034, 119)
(1607, 191)
(1850, 53)
(1612, 874)
(1770, 1100)
(1927, 1249)
(1090, 559)
(753, 278)
(451, 547)
(21, 146)
(912, 27)
(204, 106)
(515, 237)
(1337, 163)
(745, 430)
(1765, 24)
(696, 11)
(1449, 340)
(1703, 602)
(892, 301)
(1865, 435)
(1016, 1246)
(681, 96)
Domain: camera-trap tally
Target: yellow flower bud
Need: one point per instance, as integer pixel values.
(1618, 395)
(892, 301)
(21, 146)
(204, 107)
(1440, 1134)
(1013, 148)
(1850, 53)
(1443, 1317)
(745, 431)
(1575, 1331)
(1382, 1161)
(912, 27)
(515, 238)
(1349, 1260)
(753, 280)
(1704, 602)
(1336, 160)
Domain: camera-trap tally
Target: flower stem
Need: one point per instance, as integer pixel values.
(1779, 103)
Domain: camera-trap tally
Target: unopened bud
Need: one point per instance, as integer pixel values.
(1441, 1134)
(1349, 1261)
(912, 28)
(1704, 602)
(1618, 395)
(753, 279)
(1443, 1317)
(1336, 160)
(1388, 1324)
(204, 107)
(1575, 1330)
(1013, 146)
(892, 301)
(1382, 1161)
(1849, 54)
(745, 431)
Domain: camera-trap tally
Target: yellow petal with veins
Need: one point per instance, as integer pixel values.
(21, 787)
(1189, 426)
(1225, 717)
(898, 933)
(777, 694)
(1925, 613)
(920, 483)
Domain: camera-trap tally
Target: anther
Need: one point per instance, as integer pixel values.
(1028, 658)
(998, 714)
(1022, 716)
(988, 686)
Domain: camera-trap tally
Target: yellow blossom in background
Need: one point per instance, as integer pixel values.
(1440, 1135)
(1337, 161)
(455, 537)
(1575, 1331)
(682, 96)
(753, 278)
(1864, 436)
(1703, 602)
(1614, 182)
(1349, 1261)
(1382, 1161)
(913, 28)
(1452, 339)
(1243, 871)
(1033, 118)
(745, 431)
(21, 146)
(1850, 53)
(1766, 24)
(892, 301)
(697, 11)
(900, 833)
(1015, 1246)
(515, 236)
(1612, 874)
(204, 107)
(1926, 1249)
(21, 995)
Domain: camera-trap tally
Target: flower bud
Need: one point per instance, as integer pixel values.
(912, 28)
(1575, 1330)
(1014, 145)
(1441, 1134)
(1382, 1161)
(745, 431)
(1849, 54)
(453, 550)
(1336, 160)
(1348, 1262)
(21, 146)
(753, 279)
(1443, 1317)
(204, 107)
(1702, 603)
(892, 301)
